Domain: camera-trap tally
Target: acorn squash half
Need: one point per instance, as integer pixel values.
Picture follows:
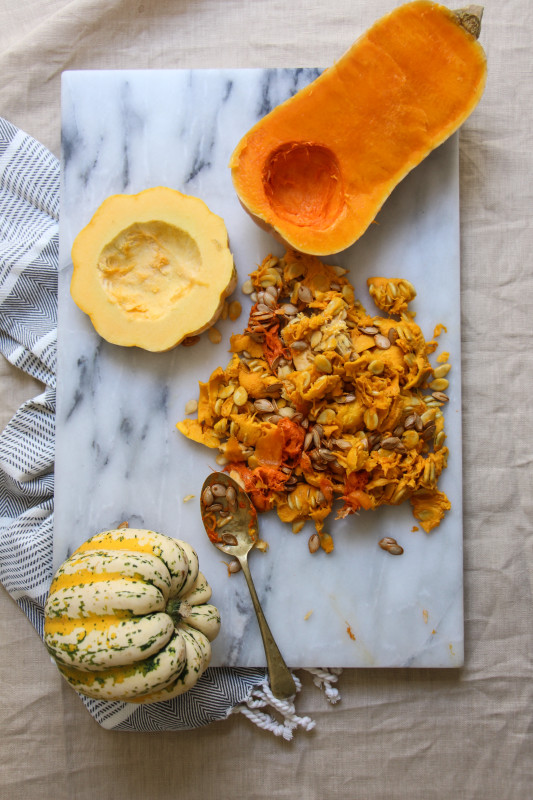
(153, 268)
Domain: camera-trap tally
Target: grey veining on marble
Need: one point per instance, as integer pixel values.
(118, 454)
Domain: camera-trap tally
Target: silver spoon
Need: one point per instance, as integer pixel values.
(230, 520)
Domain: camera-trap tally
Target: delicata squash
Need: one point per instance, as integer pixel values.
(316, 170)
(152, 269)
(128, 617)
(323, 404)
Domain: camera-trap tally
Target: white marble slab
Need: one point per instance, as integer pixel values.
(118, 453)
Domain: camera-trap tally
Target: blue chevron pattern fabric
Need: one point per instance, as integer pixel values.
(29, 215)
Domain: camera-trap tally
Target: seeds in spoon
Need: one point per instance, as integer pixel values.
(207, 496)
(231, 496)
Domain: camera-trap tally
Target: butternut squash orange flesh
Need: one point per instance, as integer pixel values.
(316, 170)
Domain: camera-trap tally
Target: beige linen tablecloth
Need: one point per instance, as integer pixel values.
(413, 734)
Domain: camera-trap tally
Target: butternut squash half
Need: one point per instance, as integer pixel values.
(152, 269)
(316, 170)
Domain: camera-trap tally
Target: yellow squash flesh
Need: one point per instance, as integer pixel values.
(152, 269)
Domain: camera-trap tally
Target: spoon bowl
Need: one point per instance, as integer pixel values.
(230, 521)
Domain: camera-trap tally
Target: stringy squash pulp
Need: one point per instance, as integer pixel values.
(152, 269)
(316, 170)
(323, 404)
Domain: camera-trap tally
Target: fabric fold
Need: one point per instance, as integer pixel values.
(29, 214)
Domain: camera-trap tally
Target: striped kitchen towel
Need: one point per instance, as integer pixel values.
(29, 214)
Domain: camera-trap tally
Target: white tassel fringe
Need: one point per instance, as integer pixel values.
(261, 696)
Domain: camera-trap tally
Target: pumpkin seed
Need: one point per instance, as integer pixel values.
(247, 287)
(382, 342)
(231, 495)
(299, 345)
(391, 546)
(442, 370)
(221, 460)
(376, 367)
(370, 330)
(326, 455)
(305, 294)
(293, 270)
(284, 371)
(289, 310)
(263, 316)
(214, 335)
(439, 440)
(207, 496)
(342, 444)
(427, 417)
(390, 442)
(407, 289)
(191, 406)
(287, 411)
(339, 271)
(441, 397)
(313, 543)
(439, 385)
(371, 419)
(270, 278)
(220, 426)
(409, 421)
(297, 525)
(263, 406)
(240, 396)
(308, 440)
(428, 432)
(268, 300)
(323, 364)
(218, 490)
(392, 335)
(234, 566)
(229, 538)
(347, 294)
(327, 416)
(316, 338)
(226, 391)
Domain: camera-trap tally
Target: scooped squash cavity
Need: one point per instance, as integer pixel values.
(152, 269)
(316, 170)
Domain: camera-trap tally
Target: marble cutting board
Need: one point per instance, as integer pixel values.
(118, 454)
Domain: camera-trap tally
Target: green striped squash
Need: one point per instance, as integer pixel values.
(128, 617)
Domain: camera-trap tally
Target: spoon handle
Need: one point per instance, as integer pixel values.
(281, 680)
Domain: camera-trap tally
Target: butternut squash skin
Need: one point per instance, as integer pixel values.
(316, 170)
